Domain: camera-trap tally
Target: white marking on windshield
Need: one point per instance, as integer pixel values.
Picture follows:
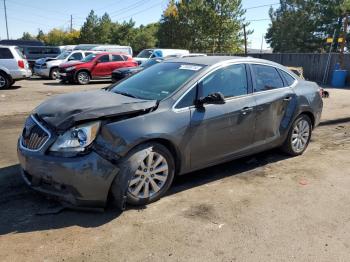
(190, 67)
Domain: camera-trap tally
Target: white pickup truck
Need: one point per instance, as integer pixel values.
(48, 67)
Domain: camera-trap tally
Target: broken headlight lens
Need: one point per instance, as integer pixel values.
(76, 139)
(70, 68)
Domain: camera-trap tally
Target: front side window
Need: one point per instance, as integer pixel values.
(64, 55)
(104, 59)
(157, 82)
(266, 78)
(76, 56)
(230, 81)
(5, 53)
(145, 53)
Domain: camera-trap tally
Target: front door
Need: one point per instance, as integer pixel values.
(221, 131)
(101, 68)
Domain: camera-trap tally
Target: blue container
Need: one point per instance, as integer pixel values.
(339, 78)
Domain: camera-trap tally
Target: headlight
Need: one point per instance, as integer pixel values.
(76, 139)
(70, 68)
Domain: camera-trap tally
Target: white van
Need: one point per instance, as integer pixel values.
(158, 52)
(114, 48)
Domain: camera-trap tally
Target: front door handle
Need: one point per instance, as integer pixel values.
(288, 98)
(246, 110)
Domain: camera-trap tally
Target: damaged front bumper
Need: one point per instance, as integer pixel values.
(82, 181)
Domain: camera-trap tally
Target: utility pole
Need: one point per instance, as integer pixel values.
(71, 23)
(245, 40)
(342, 46)
(262, 43)
(7, 28)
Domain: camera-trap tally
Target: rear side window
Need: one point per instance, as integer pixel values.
(266, 78)
(288, 79)
(5, 53)
(230, 81)
(117, 58)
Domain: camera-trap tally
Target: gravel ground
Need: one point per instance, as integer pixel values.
(262, 208)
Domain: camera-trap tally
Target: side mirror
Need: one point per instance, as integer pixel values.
(71, 59)
(97, 62)
(214, 98)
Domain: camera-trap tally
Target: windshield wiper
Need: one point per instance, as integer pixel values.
(126, 94)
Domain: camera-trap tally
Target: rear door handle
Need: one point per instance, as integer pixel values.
(288, 98)
(246, 110)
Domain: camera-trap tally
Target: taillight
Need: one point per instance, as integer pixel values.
(21, 63)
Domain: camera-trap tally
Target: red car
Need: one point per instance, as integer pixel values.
(94, 66)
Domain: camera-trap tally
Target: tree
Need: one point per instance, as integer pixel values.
(104, 29)
(303, 26)
(145, 37)
(124, 33)
(27, 36)
(89, 30)
(203, 25)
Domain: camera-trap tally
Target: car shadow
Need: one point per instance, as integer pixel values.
(55, 83)
(23, 210)
(14, 87)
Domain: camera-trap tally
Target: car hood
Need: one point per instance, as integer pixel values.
(44, 60)
(71, 63)
(64, 111)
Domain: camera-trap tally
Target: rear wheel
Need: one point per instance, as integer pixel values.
(298, 137)
(83, 78)
(5, 81)
(54, 73)
(150, 170)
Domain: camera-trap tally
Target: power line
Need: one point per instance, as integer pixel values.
(141, 11)
(259, 6)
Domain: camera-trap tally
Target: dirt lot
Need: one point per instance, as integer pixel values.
(262, 208)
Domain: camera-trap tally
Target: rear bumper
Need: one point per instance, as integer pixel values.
(82, 181)
(21, 74)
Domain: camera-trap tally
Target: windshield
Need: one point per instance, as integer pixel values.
(89, 58)
(62, 56)
(150, 62)
(158, 81)
(145, 53)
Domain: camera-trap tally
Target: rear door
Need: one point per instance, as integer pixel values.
(275, 103)
(101, 68)
(117, 61)
(221, 131)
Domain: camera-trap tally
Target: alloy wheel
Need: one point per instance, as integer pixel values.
(83, 78)
(150, 177)
(300, 135)
(2, 81)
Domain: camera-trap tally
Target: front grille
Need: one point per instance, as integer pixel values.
(61, 70)
(34, 135)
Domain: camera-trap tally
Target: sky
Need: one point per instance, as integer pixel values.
(30, 15)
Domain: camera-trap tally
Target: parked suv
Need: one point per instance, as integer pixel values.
(48, 67)
(94, 66)
(13, 66)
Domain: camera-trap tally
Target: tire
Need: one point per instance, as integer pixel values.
(5, 81)
(133, 167)
(12, 82)
(83, 78)
(54, 73)
(298, 137)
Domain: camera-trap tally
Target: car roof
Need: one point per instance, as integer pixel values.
(212, 60)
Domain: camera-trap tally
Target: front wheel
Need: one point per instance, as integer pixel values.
(83, 78)
(298, 137)
(150, 170)
(54, 73)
